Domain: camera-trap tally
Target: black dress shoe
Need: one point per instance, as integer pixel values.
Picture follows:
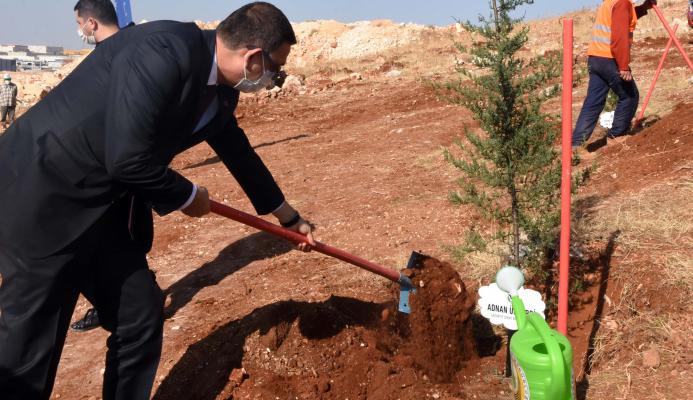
(89, 322)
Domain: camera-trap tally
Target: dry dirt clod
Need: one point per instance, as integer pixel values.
(458, 288)
(676, 338)
(409, 273)
(237, 376)
(384, 315)
(651, 357)
(588, 298)
(591, 278)
(324, 386)
(609, 324)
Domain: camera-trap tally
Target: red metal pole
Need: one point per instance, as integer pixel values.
(656, 76)
(297, 238)
(566, 160)
(672, 35)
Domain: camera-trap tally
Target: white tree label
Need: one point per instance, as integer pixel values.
(495, 305)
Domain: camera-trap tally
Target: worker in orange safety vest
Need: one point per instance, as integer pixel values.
(609, 68)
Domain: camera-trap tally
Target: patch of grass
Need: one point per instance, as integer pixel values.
(657, 226)
(479, 266)
(655, 248)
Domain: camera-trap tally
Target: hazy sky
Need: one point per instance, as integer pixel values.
(51, 22)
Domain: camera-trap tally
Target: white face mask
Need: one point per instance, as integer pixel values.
(90, 39)
(265, 81)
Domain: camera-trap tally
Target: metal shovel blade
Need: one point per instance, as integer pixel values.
(405, 284)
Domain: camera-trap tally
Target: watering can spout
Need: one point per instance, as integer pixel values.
(519, 311)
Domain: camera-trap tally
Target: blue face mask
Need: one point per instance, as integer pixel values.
(265, 81)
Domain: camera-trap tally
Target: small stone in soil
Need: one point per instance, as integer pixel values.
(651, 357)
(324, 386)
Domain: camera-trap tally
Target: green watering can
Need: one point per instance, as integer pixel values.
(541, 358)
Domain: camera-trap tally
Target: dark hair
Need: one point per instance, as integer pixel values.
(101, 10)
(257, 24)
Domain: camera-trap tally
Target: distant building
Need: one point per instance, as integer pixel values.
(17, 54)
(8, 65)
(34, 57)
(47, 50)
(20, 47)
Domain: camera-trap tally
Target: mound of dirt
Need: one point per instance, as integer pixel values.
(332, 40)
(659, 152)
(438, 333)
(340, 348)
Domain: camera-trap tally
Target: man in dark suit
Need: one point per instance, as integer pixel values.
(96, 21)
(81, 170)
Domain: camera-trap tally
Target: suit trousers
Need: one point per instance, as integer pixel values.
(38, 297)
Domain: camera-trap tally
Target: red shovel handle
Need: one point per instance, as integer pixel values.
(297, 238)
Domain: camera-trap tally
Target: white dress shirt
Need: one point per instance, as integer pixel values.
(206, 118)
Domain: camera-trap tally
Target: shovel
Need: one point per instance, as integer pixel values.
(405, 283)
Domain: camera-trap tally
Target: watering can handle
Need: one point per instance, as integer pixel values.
(556, 387)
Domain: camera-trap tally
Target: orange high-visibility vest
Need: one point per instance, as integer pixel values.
(600, 45)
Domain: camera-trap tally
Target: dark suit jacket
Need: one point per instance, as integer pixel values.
(110, 130)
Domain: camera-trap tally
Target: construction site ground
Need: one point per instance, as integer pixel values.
(359, 151)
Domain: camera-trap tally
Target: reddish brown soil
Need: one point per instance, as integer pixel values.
(660, 152)
(655, 48)
(340, 348)
(363, 161)
(438, 334)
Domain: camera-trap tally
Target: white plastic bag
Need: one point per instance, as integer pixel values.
(606, 119)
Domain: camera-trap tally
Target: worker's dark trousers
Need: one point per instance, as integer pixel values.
(7, 114)
(604, 75)
(38, 296)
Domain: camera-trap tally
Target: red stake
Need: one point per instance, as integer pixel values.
(566, 160)
(672, 35)
(654, 80)
(297, 238)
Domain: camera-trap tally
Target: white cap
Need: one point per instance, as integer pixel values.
(7, 77)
